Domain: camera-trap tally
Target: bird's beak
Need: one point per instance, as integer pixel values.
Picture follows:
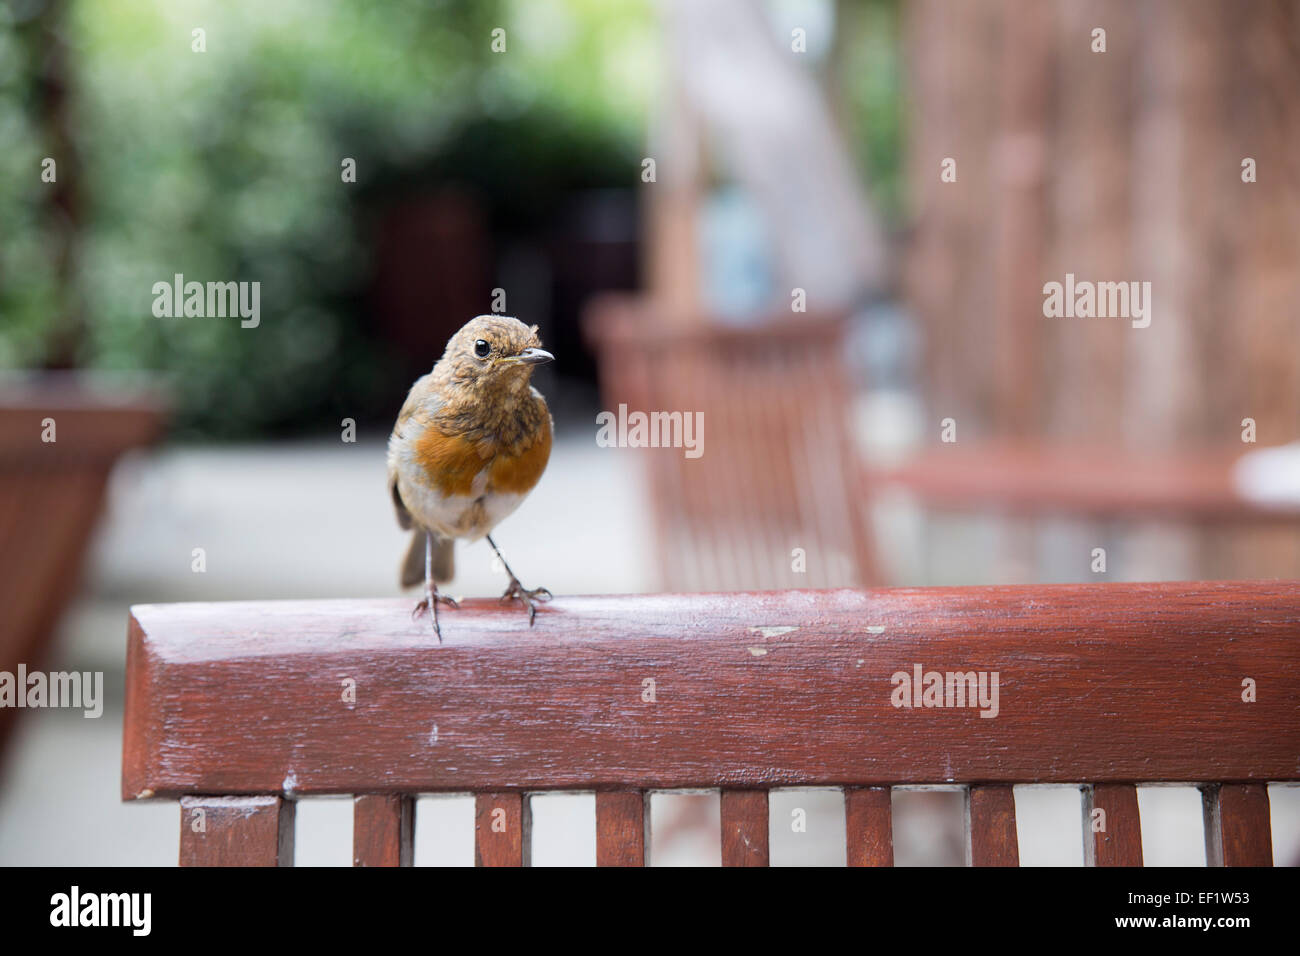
(533, 357)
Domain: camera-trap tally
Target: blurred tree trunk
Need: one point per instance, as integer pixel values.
(48, 50)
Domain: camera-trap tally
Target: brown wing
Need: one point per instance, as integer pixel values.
(403, 516)
(420, 403)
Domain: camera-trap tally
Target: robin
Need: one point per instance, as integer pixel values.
(469, 445)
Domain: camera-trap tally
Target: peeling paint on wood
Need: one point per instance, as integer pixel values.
(774, 631)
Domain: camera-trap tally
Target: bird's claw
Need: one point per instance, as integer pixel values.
(424, 606)
(528, 597)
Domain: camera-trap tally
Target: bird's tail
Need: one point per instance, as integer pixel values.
(444, 560)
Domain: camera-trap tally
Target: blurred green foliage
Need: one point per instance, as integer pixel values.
(225, 165)
(869, 79)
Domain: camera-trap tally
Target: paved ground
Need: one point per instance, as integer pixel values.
(306, 521)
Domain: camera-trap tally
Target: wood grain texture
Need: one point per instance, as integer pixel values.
(502, 829)
(622, 828)
(744, 828)
(237, 831)
(869, 825)
(383, 829)
(1238, 829)
(991, 826)
(787, 688)
(1115, 839)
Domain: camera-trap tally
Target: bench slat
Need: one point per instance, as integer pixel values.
(383, 829)
(744, 828)
(868, 818)
(622, 828)
(503, 824)
(1238, 831)
(237, 831)
(1115, 839)
(991, 826)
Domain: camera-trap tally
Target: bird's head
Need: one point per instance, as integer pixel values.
(494, 352)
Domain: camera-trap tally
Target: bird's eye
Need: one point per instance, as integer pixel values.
(481, 348)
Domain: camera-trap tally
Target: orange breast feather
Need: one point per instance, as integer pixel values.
(517, 474)
(449, 462)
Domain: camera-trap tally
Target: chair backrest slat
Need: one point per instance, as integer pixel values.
(383, 829)
(744, 827)
(622, 828)
(991, 826)
(1113, 836)
(868, 820)
(1237, 827)
(237, 831)
(503, 824)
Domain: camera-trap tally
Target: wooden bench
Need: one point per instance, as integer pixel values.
(238, 709)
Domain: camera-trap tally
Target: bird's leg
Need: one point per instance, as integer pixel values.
(517, 591)
(431, 596)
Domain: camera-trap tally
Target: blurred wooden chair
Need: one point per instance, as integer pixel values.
(777, 486)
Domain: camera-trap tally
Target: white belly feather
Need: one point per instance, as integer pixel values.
(468, 517)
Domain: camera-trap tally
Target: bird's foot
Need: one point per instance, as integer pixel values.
(423, 607)
(517, 592)
(432, 601)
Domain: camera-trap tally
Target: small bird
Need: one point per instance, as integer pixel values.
(470, 443)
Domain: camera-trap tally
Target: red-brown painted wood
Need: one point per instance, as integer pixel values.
(744, 828)
(237, 831)
(383, 829)
(1238, 831)
(622, 828)
(868, 820)
(1113, 837)
(502, 829)
(991, 826)
(785, 688)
